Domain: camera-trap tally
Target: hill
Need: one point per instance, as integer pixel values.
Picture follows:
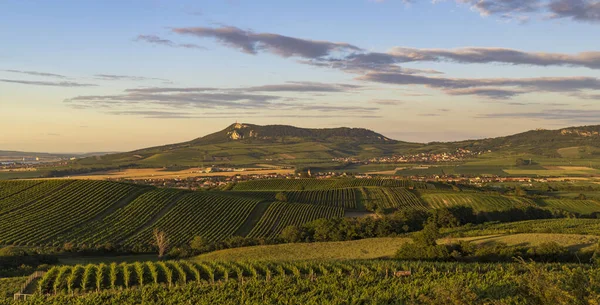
(247, 144)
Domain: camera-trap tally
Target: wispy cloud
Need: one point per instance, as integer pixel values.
(193, 98)
(158, 114)
(523, 10)
(253, 43)
(153, 39)
(44, 83)
(387, 102)
(577, 116)
(463, 86)
(128, 77)
(36, 73)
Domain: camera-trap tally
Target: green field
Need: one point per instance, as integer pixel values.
(96, 213)
(390, 198)
(364, 282)
(386, 247)
(566, 226)
(479, 202)
(281, 214)
(573, 205)
(347, 198)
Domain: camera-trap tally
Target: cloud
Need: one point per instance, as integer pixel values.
(43, 83)
(128, 77)
(570, 115)
(497, 55)
(493, 7)
(35, 73)
(254, 43)
(153, 39)
(285, 87)
(157, 114)
(387, 102)
(304, 87)
(459, 86)
(220, 98)
(493, 93)
(579, 10)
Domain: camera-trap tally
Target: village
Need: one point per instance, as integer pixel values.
(459, 154)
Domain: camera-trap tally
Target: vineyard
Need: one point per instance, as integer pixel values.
(345, 198)
(347, 282)
(563, 226)
(317, 184)
(93, 213)
(390, 198)
(479, 202)
(124, 221)
(210, 215)
(27, 194)
(573, 205)
(280, 215)
(10, 188)
(40, 221)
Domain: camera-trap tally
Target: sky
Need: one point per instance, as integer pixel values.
(83, 76)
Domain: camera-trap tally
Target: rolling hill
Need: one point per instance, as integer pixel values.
(248, 144)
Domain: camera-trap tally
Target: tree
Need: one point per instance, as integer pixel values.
(281, 197)
(197, 243)
(161, 241)
(292, 234)
(429, 235)
(582, 197)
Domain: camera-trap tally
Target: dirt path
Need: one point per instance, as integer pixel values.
(253, 218)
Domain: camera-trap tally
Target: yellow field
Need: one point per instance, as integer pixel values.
(159, 173)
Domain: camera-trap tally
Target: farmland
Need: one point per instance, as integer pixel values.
(390, 198)
(316, 283)
(479, 202)
(280, 215)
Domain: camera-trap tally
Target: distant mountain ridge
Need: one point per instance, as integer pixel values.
(243, 144)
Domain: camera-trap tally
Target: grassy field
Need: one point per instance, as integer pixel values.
(566, 226)
(356, 249)
(385, 247)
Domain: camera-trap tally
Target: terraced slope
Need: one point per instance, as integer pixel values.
(280, 215)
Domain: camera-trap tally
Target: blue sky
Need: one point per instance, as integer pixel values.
(75, 75)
